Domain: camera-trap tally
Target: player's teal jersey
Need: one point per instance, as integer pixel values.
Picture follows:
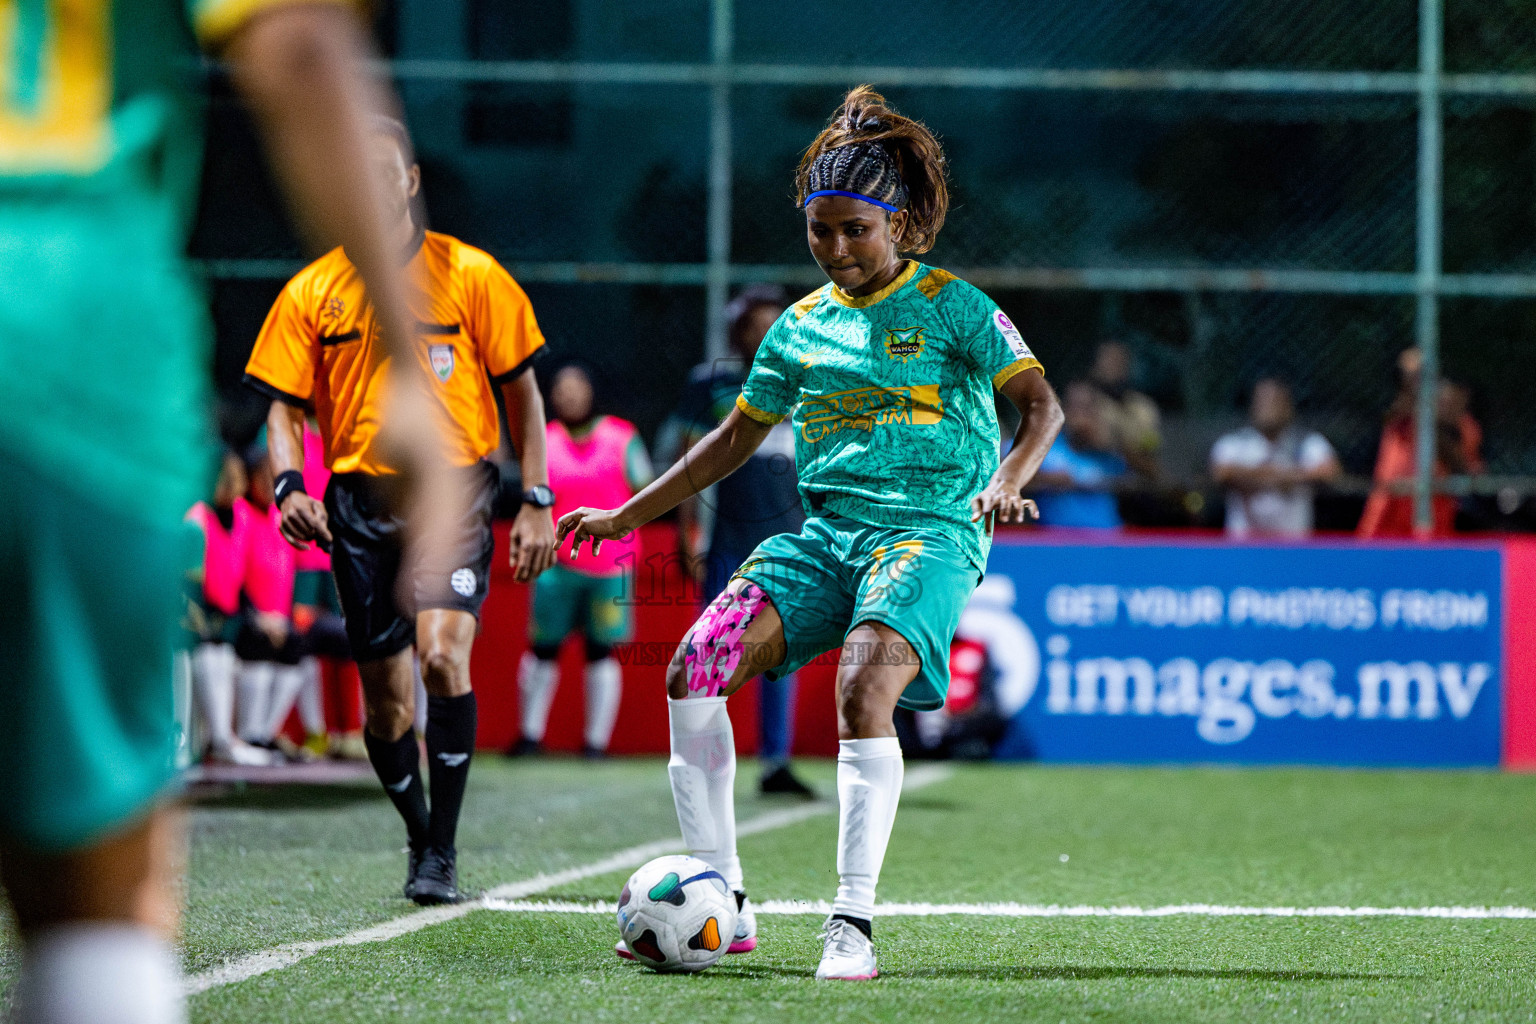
(891, 396)
(103, 332)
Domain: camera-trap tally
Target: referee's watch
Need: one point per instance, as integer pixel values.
(539, 496)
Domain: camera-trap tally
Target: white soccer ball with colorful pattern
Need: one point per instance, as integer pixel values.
(677, 914)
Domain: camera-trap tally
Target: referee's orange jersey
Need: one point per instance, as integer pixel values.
(320, 347)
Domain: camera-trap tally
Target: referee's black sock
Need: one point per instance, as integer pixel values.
(397, 763)
(450, 746)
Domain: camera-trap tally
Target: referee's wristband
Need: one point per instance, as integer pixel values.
(287, 483)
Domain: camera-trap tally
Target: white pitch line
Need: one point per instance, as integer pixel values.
(821, 908)
(278, 957)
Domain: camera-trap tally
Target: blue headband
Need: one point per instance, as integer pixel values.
(851, 195)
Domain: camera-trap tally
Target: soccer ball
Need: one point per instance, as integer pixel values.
(677, 914)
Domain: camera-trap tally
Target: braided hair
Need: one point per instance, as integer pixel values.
(870, 149)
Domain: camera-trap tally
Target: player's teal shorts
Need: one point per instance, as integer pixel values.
(316, 588)
(835, 574)
(94, 597)
(565, 600)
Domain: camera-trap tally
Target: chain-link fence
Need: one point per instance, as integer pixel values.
(1235, 188)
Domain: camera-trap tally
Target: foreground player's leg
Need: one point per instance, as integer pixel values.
(444, 638)
(736, 638)
(97, 926)
(876, 668)
(389, 693)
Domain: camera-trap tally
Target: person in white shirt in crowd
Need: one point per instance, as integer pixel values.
(1270, 467)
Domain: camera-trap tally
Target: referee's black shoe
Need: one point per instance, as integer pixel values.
(412, 868)
(437, 879)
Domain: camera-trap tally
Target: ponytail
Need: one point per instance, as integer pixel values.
(869, 149)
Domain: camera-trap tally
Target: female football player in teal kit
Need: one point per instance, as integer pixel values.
(888, 372)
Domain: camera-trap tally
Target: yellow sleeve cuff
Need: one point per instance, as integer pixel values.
(752, 412)
(216, 20)
(1015, 368)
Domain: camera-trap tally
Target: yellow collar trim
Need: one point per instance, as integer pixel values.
(865, 301)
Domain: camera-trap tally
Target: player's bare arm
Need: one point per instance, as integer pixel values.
(722, 451)
(1040, 421)
(304, 520)
(532, 539)
(302, 72)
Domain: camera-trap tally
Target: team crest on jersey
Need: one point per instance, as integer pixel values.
(905, 343)
(442, 361)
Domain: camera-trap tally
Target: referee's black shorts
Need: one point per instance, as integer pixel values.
(366, 555)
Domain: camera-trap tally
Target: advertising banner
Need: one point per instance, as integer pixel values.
(1199, 652)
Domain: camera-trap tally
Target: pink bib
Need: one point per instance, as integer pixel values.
(223, 556)
(316, 477)
(591, 471)
(268, 561)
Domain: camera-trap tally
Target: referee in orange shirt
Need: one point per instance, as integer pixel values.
(319, 347)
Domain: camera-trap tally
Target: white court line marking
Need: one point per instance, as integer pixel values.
(278, 957)
(821, 908)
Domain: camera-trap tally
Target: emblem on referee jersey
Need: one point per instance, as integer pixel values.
(904, 343)
(442, 361)
(463, 582)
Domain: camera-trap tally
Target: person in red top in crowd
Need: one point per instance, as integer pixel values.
(267, 645)
(215, 614)
(593, 460)
(1458, 451)
(330, 702)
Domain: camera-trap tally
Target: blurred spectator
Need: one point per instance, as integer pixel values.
(1077, 479)
(215, 616)
(267, 644)
(325, 653)
(1131, 418)
(720, 528)
(599, 461)
(1270, 466)
(1458, 450)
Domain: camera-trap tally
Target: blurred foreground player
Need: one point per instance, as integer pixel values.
(889, 372)
(103, 442)
(593, 459)
(474, 330)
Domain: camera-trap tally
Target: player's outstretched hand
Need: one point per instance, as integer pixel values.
(596, 523)
(304, 521)
(532, 541)
(1000, 503)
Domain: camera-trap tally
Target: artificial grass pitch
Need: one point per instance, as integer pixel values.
(273, 867)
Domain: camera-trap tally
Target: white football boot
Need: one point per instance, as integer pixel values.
(744, 941)
(848, 954)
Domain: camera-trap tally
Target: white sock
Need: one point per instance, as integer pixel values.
(703, 772)
(604, 683)
(287, 680)
(253, 695)
(421, 698)
(536, 682)
(311, 699)
(86, 973)
(868, 789)
(213, 680)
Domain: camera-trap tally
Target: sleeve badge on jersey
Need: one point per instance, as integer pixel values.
(1011, 335)
(442, 361)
